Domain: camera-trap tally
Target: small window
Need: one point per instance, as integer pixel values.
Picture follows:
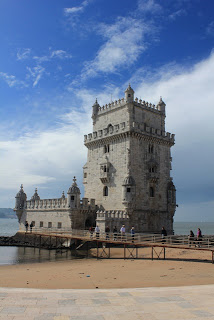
(106, 148)
(129, 95)
(49, 224)
(151, 148)
(151, 192)
(59, 225)
(152, 169)
(72, 198)
(105, 191)
(85, 174)
(128, 189)
(41, 224)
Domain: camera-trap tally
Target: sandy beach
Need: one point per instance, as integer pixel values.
(192, 268)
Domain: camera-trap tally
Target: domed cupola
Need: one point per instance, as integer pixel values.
(161, 105)
(35, 196)
(21, 198)
(73, 195)
(73, 188)
(129, 94)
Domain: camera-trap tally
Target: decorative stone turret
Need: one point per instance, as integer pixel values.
(129, 94)
(129, 192)
(161, 105)
(73, 195)
(35, 196)
(20, 198)
(95, 109)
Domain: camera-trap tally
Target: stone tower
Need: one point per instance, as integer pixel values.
(129, 162)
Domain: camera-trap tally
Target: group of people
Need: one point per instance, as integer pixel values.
(27, 226)
(195, 240)
(116, 234)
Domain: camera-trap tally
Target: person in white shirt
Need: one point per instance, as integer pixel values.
(123, 231)
(97, 231)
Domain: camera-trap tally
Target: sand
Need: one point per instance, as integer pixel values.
(192, 268)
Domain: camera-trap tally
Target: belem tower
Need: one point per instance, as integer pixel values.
(126, 177)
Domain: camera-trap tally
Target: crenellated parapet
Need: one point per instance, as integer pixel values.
(159, 108)
(47, 204)
(123, 127)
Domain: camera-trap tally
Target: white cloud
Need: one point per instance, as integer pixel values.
(149, 6)
(11, 80)
(61, 54)
(123, 46)
(177, 13)
(74, 10)
(23, 54)
(36, 74)
(210, 29)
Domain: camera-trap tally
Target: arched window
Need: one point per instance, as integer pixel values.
(151, 192)
(105, 191)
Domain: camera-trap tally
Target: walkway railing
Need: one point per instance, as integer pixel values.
(138, 238)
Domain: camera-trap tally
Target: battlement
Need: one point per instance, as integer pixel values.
(58, 203)
(141, 128)
(122, 102)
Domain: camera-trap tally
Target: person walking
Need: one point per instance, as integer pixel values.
(163, 234)
(199, 237)
(97, 231)
(132, 231)
(26, 226)
(115, 233)
(123, 232)
(191, 238)
(107, 230)
(91, 232)
(31, 226)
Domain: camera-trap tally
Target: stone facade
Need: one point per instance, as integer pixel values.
(129, 163)
(127, 173)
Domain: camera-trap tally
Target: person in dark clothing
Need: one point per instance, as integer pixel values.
(107, 230)
(163, 234)
(26, 226)
(132, 231)
(31, 226)
(115, 233)
(191, 238)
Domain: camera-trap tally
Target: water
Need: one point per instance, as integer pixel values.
(8, 227)
(17, 255)
(183, 228)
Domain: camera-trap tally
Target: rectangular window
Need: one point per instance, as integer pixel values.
(41, 224)
(49, 224)
(72, 198)
(128, 189)
(59, 226)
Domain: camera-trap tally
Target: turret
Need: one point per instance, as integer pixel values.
(35, 196)
(73, 195)
(20, 199)
(129, 192)
(95, 109)
(161, 105)
(129, 94)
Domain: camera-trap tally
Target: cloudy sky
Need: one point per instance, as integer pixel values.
(56, 57)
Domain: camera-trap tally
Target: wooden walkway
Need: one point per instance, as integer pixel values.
(104, 243)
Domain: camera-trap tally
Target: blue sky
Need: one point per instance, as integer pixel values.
(56, 57)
